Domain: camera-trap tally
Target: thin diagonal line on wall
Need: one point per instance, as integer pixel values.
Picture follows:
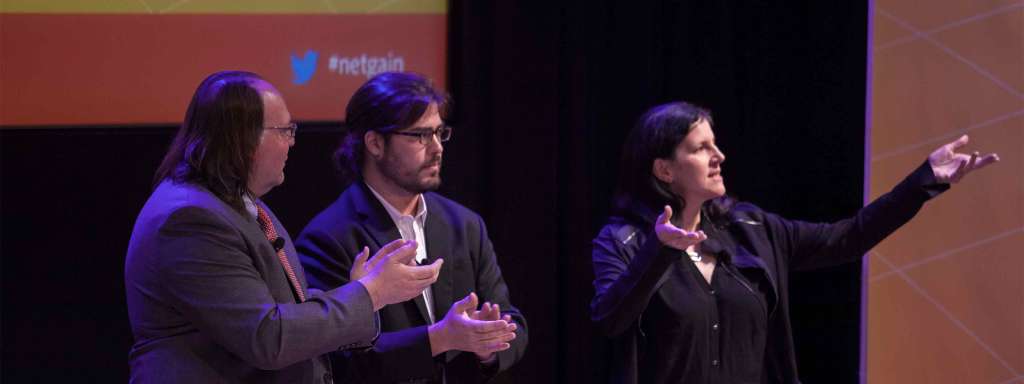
(949, 315)
(148, 8)
(947, 136)
(173, 6)
(946, 254)
(977, 68)
(951, 25)
(382, 5)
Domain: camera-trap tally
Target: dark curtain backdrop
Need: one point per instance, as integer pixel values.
(544, 95)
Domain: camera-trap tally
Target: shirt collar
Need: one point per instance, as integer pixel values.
(421, 210)
(250, 205)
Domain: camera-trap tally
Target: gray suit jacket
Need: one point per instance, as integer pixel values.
(209, 301)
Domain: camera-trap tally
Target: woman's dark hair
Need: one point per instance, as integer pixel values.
(215, 145)
(388, 102)
(655, 136)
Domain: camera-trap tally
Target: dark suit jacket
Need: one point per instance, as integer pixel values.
(328, 245)
(631, 268)
(209, 301)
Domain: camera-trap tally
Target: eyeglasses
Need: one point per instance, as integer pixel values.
(288, 130)
(426, 135)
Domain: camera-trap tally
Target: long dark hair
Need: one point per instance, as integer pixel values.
(655, 136)
(215, 145)
(388, 102)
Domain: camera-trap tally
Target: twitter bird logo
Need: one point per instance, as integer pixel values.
(303, 68)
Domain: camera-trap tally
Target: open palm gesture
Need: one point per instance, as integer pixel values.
(673, 236)
(950, 166)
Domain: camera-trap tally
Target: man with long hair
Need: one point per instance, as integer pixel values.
(215, 289)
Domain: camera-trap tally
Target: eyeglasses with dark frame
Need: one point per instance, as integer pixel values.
(426, 134)
(288, 130)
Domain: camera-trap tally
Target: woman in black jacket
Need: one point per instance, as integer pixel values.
(691, 286)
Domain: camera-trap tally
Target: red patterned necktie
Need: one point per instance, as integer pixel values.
(268, 229)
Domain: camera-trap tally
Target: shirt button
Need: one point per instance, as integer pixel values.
(714, 326)
(714, 362)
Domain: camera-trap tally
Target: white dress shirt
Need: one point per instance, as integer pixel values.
(411, 228)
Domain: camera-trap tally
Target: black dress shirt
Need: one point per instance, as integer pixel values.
(716, 329)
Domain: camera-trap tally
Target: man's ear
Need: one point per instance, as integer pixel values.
(374, 142)
(660, 169)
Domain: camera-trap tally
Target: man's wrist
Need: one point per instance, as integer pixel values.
(435, 335)
(371, 289)
(489, 359)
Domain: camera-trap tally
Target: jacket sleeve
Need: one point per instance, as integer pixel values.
(490, 287)
(209, 275)
(627, 269)
(395, 356)
(816, 245)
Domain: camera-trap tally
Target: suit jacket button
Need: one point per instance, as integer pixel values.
(328, 378)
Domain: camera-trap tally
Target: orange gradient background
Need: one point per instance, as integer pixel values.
(128, 68)
(946, 292)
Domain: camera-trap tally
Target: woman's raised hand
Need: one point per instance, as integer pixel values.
(673, 236)
(950, 166)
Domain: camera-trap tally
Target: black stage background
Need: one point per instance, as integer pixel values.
(544, 94)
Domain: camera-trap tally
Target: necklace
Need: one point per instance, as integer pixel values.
(694, 255)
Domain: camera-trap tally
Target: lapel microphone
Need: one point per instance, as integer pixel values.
(278, 243)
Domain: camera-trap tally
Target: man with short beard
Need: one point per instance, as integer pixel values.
(462, 329)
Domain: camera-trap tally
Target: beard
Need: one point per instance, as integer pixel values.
(414, 180)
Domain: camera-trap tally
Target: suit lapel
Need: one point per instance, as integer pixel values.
(437, 233)
(380, 227)
(375, 219)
